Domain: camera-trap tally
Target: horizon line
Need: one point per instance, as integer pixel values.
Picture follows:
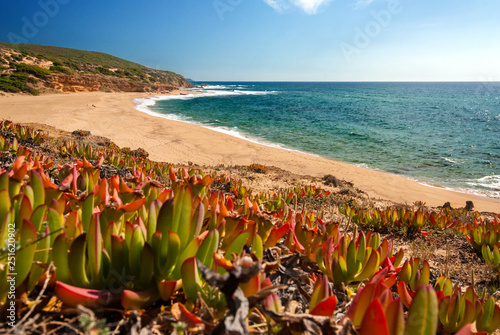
(345, 81)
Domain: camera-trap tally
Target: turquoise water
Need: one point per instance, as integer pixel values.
(445, 134)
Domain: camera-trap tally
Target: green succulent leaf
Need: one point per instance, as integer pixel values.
(237, 245)
(191, 282)
(170, 253)
(370, 267)
(40, 260)
(207, 248)
(77, 262)
(119, 254)
(189, 251)
(38, 215)
(135, 251)
(87, 211)
(54, 220)
(60, 259)
(423, 314)
(183, 209)
(24, 256)
(257, 246)
(488, 319)
(36, 183)
(147, 265)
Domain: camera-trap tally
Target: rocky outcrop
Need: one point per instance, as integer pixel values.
(99, 83)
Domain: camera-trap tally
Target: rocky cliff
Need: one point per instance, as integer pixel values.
(40, 69)
(97, 83)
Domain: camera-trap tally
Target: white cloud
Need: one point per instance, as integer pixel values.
(278, 5)
(309, 6)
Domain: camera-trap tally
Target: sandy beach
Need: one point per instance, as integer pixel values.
(113, 115)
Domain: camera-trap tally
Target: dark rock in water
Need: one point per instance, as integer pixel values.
(469, 205)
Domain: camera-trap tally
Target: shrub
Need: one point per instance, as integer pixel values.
(72, 65)
(60, 69)
(7, 85)
(16, 83)
(19, 58)
(104, 71)
(33, 69)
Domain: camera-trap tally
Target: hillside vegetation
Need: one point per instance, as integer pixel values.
(38, 69)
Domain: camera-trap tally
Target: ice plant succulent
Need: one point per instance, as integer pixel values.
(482, 233)
(352, 259)
(132, 241)
(322, 302)
(487, 315)
(456, 311)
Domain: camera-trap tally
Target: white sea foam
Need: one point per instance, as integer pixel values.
(221, 87)
(452, 161)
(144, 105)
(488, 186)
(491, 182)
(214, 87)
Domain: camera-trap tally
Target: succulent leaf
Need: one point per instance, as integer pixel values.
(423, 314)
(374, 320)
(190, 278)
(24, 256)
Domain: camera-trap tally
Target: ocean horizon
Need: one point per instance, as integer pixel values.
(441, 134)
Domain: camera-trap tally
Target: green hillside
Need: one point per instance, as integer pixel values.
(27, 68)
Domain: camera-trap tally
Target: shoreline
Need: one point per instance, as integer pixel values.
(143, 105)
(115, 117)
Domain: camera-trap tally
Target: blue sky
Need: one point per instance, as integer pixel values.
(275, 40)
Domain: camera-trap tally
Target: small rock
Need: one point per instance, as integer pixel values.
(332, 180)
(140, 153)
(447, 205)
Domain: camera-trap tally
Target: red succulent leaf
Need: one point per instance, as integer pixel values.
(374, 321)
(325, 307)
(405, 295)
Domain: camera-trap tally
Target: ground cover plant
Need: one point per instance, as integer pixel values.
(99, 239)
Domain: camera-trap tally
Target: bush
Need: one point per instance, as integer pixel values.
(60, 69)
(19, 58)
(120, 73)
(8, 86)
(18, 82)
(22, 77)
(33, 69)
(104, 71)
(72, 65)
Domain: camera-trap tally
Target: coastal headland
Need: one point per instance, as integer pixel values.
(113, 115)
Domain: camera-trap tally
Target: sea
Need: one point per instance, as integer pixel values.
(441, 134)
